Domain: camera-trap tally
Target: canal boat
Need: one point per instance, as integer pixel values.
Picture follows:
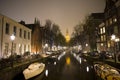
(106, 72)
(33, 70)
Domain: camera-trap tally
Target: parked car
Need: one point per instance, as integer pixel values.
(94, 53)
(108, 55)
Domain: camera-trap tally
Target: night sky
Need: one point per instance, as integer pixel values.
(65, 13)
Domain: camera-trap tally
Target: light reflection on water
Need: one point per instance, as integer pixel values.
(87, 69)
(54, 63)
(68, 60)
(80, 60)
(83, 69)
(46, 72)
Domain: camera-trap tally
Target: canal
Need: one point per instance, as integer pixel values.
(67, 66)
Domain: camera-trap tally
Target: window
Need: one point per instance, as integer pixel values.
(108, 44)
(14, 30)
(101, 38)
(6, 49)
(14, 48)
(103, 29)
(115, 19)
(7, 28)
(104, 38)
(20, 32)
(115, 29)
(28, 47)
(24, 34)
(24, 48)
(28, 35)
(110, 21)
(101, 44)
(20, 49)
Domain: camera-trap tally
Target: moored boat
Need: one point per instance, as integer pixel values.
(106, 72)
(33, 70)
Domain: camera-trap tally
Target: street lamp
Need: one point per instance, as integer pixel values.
(86, 44)
(46, 47)
(12, 37)
(115, 39)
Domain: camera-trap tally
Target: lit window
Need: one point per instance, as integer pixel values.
(110, 20)
(115, 20)
(14, 47)
(103, 29)
(101, 44)
(20, 48)
(108, 44)
(101, 38)
(104, 38)
(28, 47)
(6, 49)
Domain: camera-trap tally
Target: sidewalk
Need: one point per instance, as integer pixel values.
(110, 62)
(16, 63)
(11, 63)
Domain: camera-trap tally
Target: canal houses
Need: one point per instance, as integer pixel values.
(11, 29)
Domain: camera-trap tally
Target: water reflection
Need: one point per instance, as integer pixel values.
(68, 60)
(54, 63)
(80, 61)
(60, 56)
(87, 69)
(67, 68)
(46, 72)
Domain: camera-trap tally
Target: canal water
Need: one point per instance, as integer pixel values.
(67, 66)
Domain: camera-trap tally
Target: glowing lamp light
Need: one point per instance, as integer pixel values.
(12, 37)
(113, 37)
(117, 40)
(46, 45)
(86, 45)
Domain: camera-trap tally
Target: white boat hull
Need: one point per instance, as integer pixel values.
(29, 73)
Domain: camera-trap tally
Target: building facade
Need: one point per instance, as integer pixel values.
(101, 39)
(37, 37)
(22, 42)
(91, 29)
(112, 22)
